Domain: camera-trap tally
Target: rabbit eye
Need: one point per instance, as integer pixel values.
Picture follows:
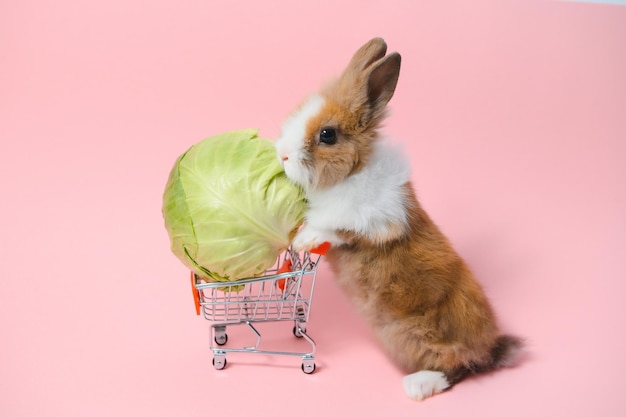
(328, 136)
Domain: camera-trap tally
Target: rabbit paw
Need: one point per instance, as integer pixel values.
(309, 238)
(424, 384)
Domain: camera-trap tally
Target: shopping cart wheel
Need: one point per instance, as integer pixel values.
(219, 362)
(308, 366)
(220, 335)
(298, 330)
(221, 339)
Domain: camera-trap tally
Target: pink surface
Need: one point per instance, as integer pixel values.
(512, 112)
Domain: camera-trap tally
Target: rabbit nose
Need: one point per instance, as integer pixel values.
(284, 158)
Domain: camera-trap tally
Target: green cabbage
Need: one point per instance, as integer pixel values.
(228, 207)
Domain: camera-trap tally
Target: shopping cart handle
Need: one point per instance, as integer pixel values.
(196, 293)
(321, 249)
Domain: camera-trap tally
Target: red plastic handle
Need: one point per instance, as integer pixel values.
(321, 249)
(286, 267)
(196, 293)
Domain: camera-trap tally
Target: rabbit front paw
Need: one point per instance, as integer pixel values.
(308, 238)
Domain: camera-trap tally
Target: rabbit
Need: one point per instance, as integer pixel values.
(400, 272)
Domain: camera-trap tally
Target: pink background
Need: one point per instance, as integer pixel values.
(514, 117)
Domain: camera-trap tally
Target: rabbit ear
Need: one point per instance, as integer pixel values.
(382, 79)
(368, 83)
(367, 54)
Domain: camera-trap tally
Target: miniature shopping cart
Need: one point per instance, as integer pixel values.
(283, 293)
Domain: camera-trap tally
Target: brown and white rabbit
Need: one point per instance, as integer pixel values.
(398, 269)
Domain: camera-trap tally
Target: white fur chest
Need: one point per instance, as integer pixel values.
(368, 202)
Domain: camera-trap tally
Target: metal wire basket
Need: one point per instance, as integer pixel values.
(283, 293)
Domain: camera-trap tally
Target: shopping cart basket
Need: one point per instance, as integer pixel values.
(283, 293)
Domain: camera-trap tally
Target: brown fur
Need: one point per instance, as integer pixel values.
(419, 295)
(342, 159)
